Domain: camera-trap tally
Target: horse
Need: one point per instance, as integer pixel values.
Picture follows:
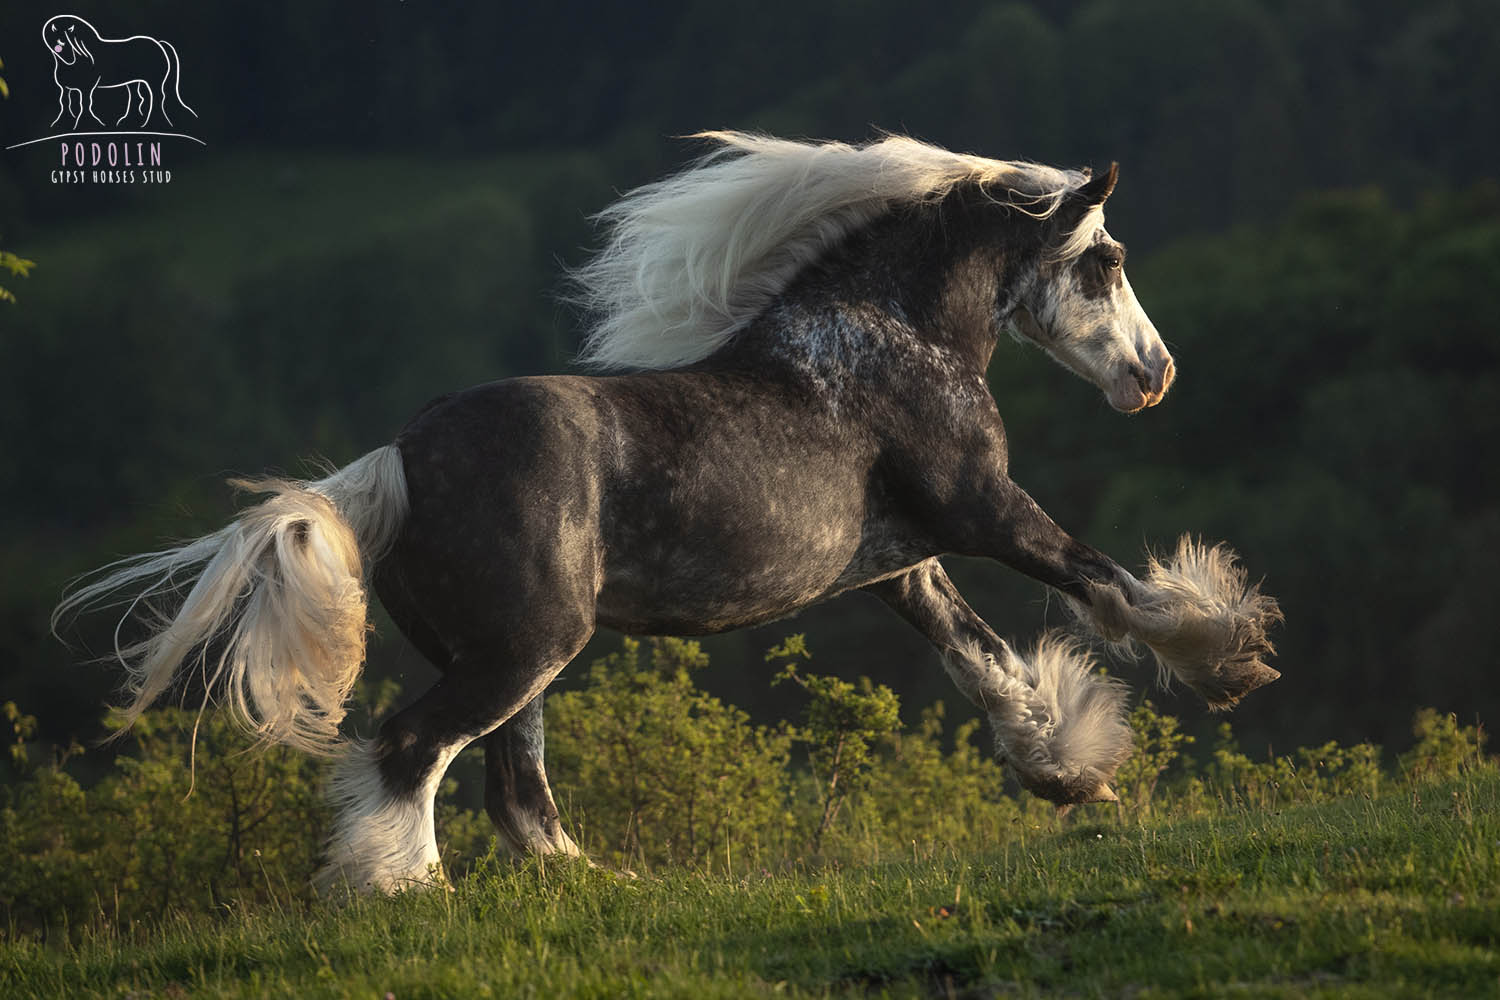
(784, 400)
(84, 63)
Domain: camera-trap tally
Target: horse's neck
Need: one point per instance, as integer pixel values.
(889, 301)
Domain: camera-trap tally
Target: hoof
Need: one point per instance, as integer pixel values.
(1065, 793)
(1218, 657)
(1059, 725)
(1204, 622)
(1102, 793)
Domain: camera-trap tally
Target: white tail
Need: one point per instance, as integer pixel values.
(278, 596)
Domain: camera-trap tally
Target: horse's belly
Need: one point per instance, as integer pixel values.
(683, 589)
(693, 586)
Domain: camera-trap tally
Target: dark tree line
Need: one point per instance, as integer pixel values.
(388, 190)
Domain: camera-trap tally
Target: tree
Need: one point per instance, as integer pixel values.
(18, 266)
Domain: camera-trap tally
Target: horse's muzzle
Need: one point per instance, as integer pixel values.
(1140, 386)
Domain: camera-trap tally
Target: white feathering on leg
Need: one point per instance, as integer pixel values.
(381, 841)
(1060, 726)
(1202, 619)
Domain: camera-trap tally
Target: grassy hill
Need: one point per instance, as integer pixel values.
(1397, 895)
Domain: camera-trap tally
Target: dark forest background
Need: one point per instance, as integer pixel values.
(389, 190)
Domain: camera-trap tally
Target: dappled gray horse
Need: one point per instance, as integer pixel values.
(802, 332)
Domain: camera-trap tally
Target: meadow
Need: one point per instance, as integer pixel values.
(1333, 871)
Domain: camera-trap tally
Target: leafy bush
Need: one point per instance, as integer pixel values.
(167, 830)
(843, 724)
(1314, 774)
(1444, 749)
(17, 266)
(1157, 742)
(665, 773)
(919, 798)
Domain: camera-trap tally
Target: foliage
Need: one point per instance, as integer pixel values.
(19, 267)
(1158, 743)
(162, 833)
(917, 797)
(664, 773)
(842, 724)
(1389, 897)
(172, 828)
(1444, 749)
(1312, 774)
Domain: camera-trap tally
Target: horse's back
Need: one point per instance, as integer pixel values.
(690, 501)
(120, 61)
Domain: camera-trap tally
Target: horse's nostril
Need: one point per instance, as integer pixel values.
(1141, 378)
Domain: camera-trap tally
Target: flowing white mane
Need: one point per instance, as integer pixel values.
(693, 258)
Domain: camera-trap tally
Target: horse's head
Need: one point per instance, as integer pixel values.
(1083, 312)
(64, 35)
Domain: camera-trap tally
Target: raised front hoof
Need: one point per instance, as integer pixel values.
(1222, 687)
(1205, 622)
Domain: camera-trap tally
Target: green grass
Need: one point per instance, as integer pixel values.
(1394, 896)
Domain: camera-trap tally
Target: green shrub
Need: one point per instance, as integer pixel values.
(918, 798)
(843, 722)
(664, 773)
(1158, 739)
(1314, 774)
(167, 830)
(19, 267)
(193, 818)
(1332, 771)
(1444, 749)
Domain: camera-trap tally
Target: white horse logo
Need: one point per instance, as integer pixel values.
(85, 63)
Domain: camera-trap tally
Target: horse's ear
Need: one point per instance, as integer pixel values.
(1100, 187)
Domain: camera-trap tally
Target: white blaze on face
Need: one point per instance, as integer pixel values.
(1086, 316)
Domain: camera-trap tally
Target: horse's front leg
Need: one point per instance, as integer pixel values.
(77, 115)
(1059, 725)
(1196, 611)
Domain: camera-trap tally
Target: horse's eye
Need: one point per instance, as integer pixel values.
(1113, 262)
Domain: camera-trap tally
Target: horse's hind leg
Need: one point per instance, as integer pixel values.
(129, 97)
(383, 790)
(1058, 725)
(516, 793)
